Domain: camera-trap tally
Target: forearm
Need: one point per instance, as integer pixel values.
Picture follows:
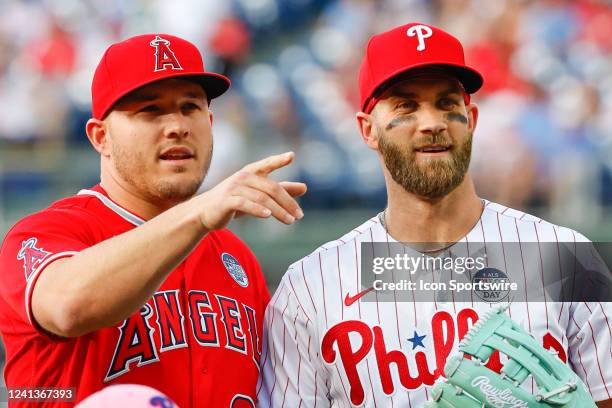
(106, 283)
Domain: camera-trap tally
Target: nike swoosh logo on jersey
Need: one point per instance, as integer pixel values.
(349, 300)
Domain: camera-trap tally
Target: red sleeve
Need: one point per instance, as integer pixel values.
(259, 278)
(264, 293)
(29, 247)
(256, 276)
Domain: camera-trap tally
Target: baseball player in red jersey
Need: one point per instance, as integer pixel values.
(137, 280)
(324, 345)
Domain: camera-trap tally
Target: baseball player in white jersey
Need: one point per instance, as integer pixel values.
(324, 344)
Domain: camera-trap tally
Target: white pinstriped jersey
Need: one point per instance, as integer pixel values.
(319, 352)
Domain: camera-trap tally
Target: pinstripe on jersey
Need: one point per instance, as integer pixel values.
(318, 352)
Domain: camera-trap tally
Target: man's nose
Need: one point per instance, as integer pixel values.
(176, 126)
(432, 121)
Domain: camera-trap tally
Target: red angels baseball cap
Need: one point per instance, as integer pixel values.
(143, 59)
(407, 47)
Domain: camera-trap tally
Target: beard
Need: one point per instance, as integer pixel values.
(433, 178)
(131, 167)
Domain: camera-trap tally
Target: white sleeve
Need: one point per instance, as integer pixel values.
(590, 346)
(289, 377)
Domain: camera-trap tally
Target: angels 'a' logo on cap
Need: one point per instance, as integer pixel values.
(422, 32)
(164, 56)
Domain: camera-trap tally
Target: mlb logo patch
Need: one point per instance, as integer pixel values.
(235, 269)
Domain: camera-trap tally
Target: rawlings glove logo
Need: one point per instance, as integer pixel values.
(496, 397)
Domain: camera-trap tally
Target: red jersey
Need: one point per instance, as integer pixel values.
(197, 339)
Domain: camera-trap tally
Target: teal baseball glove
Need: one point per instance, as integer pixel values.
(469, 384)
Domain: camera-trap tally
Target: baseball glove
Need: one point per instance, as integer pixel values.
(469, 384)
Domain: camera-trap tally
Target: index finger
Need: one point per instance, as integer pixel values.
(266, 166)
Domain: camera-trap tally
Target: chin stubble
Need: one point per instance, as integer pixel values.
(432, 179)
(130, 165)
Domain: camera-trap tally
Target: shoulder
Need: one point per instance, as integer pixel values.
(368, 231)
(68, 215)
(323, 264)
(224, 240)
(78, 206)
(517, 225)
(231, 250)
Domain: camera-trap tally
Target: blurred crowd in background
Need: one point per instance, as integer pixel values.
(543, 138)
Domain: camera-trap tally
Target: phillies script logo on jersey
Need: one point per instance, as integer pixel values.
(31, 256)
(352, 341)
(207, 315)
(164, 56)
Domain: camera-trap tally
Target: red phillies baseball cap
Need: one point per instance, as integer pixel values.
(143, 59)
(407, 47)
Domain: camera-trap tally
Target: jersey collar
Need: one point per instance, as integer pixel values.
(98, 192)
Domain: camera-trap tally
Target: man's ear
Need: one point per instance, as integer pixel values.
(368, 129)
(211, 117)
(472, 113)
(98, 135)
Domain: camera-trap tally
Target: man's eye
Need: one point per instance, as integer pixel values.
(406, 105)
(150, 108)
(447, 103)
(191, 106)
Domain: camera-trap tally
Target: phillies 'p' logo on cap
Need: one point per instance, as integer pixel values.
(422, 32)
(164, 56)
(144, 59)
(392, 53)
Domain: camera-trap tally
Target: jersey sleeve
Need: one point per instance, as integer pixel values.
(290, 355)
(262, 285)
(590, 346)
(28, 249)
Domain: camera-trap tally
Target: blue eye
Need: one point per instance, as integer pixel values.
(191, 106)
(406, 105)
(447, 103)
(150, 108)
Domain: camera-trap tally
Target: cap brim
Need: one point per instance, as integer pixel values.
(214, 85)
(471, 79)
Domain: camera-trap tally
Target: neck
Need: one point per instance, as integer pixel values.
(412, 218)
(126, 197)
